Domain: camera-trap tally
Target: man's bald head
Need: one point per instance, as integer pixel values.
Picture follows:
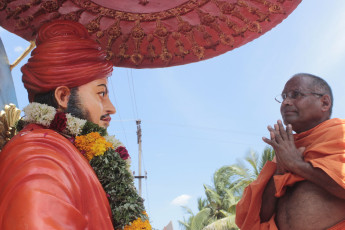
(307, 102)
(320, 86)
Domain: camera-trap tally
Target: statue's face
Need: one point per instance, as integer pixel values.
(95, 103)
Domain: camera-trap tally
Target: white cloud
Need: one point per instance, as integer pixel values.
(181, 200)
(18, 49)
(1, 30)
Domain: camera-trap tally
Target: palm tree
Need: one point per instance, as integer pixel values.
(246, 175)
(186, 223)
(226, 223)
(218, 210)
(195, 222)
(189, 224)
(242, 177)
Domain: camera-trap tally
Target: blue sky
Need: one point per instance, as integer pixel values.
(199, 117)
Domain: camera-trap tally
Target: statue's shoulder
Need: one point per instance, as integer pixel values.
(36, 140)
(34, 132)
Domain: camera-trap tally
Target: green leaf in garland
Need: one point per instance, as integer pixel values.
(90, 127)
(125, 203)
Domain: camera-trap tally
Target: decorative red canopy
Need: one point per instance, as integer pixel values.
(154, 33)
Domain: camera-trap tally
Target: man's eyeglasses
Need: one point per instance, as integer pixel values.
(294, 95)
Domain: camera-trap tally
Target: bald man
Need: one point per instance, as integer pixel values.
(304, 188)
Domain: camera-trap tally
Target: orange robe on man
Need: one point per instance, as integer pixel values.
(325, 149)
(46, 183)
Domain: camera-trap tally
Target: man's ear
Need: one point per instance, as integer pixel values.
(326, 103)
(62, 94)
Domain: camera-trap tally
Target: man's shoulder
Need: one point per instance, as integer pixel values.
(331, 124)
(329, 130)
(336, 121)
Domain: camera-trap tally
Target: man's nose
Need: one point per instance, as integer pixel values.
(287, 101)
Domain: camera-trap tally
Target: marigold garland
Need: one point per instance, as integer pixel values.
(139, 224)
(107, 156)
(92, 144)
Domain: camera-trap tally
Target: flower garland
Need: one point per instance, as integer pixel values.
(107, 156)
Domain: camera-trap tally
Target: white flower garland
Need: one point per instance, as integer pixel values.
(43, 114)
(39, 114)
(74, 125)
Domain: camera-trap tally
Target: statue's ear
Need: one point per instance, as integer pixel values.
(62, 94)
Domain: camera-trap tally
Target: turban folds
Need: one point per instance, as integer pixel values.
(65, 56)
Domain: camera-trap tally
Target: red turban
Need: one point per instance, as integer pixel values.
(65, 56)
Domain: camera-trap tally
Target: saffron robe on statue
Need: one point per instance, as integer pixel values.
(46, 183)
(325, 149)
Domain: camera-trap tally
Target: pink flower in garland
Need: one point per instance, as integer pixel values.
(59, 123)
(123, 152)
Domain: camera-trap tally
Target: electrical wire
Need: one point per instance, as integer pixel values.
(189, 137)
(119, 113)
(136, 115)
(146, 187)
(132, 94)
(202, 127)
(135, 100)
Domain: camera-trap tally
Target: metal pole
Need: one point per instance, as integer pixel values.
(139, 143)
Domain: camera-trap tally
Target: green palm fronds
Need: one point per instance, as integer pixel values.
(218, 210)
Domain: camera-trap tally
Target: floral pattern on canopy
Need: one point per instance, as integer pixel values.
(154, 33)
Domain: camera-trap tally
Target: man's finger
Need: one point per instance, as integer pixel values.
(289, 132)
(269, 141)
(271, 130)
(277, 135)
(276, 127)
(282, 131)
(274, 134)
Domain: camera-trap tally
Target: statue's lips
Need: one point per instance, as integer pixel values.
(107, 119)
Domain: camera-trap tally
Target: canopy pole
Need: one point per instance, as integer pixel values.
(21, 57)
